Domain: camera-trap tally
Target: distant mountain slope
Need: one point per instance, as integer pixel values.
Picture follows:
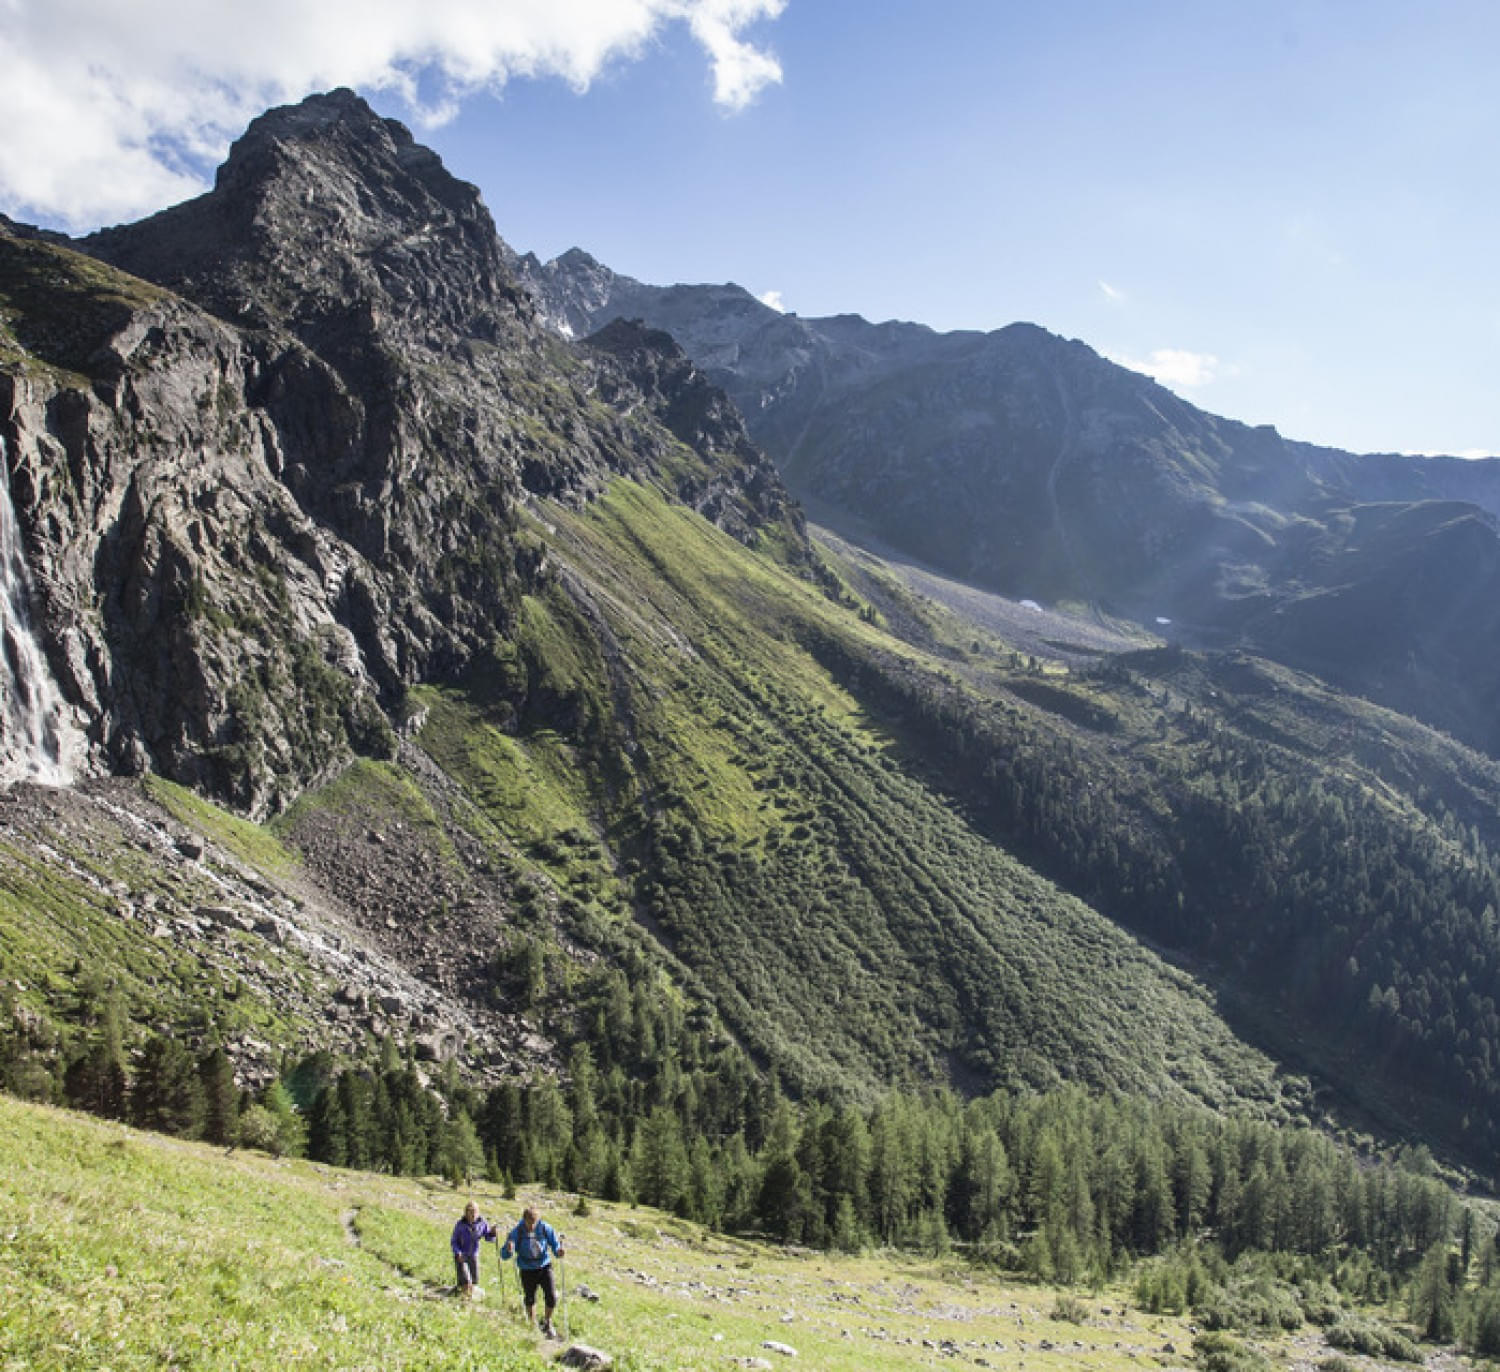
(1030, 465)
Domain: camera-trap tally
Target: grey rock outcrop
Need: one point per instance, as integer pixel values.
(270, 452)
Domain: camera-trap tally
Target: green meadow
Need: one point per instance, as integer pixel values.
(122, 1249)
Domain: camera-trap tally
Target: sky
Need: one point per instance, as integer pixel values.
(1285, 210)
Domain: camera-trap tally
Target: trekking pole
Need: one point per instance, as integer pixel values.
(562, 1297)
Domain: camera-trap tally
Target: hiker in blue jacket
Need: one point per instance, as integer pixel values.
(468, 1233)
(534, 1241)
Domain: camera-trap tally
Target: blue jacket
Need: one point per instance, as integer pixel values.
(466, 1237)
(534, 1250)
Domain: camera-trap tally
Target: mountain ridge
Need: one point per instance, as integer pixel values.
(364, 395)
(1028, 464)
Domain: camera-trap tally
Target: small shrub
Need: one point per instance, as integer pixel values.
(1070, 1310)
(1217, 1352)
(259, 1129)
(1257, 1306)
(1373, 1340)
(1321, 1305)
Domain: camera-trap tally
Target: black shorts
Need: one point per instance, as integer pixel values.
(536, 1279)
(467, 1269)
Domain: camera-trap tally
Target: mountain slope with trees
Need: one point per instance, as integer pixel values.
(579, 751)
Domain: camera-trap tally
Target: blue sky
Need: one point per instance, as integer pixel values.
(1283, 208)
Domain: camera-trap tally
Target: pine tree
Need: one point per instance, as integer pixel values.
(328, 1129)
(659, 1160)
(459, 1153)
(221, 1097)
(356, 1094)
(549, 1130)
(1433, 1306)
(96, 1080)
(168, 1096)
(785, 1198)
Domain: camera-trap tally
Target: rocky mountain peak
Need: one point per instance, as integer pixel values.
(572, 291)
(325, 211)
(338, 136)
(306, 460)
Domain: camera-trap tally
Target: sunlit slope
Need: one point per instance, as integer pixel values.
(662, 742)
(124, 1249)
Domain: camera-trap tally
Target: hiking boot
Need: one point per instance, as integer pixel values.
(548, 1332)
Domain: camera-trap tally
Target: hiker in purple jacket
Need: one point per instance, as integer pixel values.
(467, 1235)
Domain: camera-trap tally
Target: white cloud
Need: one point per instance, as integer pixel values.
(1112, 294)
(112, 109)
(1175, 367)
(740, 70)
(1468, 454)
(773, 299)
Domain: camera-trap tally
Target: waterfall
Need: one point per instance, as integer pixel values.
(36, 737)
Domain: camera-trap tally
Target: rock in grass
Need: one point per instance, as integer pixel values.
(785, 1349)
(581, 1355)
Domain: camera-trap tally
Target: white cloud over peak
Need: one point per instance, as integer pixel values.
(1175, 367)
(113, 109)
(773, 299)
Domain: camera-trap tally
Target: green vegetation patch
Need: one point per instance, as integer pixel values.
(374, 792)
(127, 1250)
(251, 843)
(61, 306)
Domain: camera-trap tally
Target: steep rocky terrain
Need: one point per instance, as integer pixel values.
(1027, 464)
(284, 481)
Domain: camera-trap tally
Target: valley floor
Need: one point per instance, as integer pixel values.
(123, 1249)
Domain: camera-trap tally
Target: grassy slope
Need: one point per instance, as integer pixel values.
(847, 879)
(94, 894)
(849, 922)
(126, 1250)
(661, 704)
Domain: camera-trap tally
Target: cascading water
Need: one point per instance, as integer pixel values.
(36, 738)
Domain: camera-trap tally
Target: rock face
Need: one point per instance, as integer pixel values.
(1030, 465)
(284, 480)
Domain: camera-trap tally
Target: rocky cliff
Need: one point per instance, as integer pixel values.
(270, 451)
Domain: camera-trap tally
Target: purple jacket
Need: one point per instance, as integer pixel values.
(466, 1237)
